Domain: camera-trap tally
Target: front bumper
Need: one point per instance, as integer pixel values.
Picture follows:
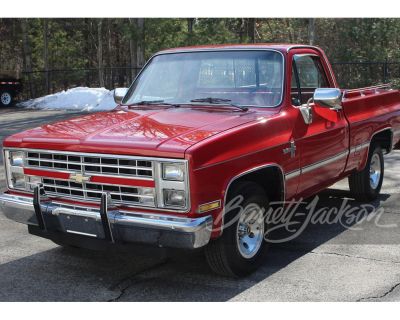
(107, 223)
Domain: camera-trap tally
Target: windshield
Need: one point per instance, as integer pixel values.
(244, 78)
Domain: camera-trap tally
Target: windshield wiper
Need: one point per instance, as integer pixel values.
(219, 101)
(154, 102)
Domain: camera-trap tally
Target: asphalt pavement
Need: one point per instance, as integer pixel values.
(337, 261)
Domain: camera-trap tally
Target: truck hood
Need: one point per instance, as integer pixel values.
(164, 132)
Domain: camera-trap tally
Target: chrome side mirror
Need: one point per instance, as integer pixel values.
(329, 98)
(119, 94)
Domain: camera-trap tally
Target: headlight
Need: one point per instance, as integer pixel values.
(17, 180)
(17, 158)
(174, 198)
(173, 171)
(148, 196)
(14, 161)
(172, 185)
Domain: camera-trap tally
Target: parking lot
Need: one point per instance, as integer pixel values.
(325, 263)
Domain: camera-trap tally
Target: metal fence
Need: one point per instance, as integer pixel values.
(352, 75)
(38, 83)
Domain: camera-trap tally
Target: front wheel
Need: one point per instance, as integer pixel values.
(241, 249)
(6, 98)
(366, 184)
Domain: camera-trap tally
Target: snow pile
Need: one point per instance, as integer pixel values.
(80, 98)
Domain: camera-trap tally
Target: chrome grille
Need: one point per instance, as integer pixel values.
(104, 165)
(93, 191)
(100, 165)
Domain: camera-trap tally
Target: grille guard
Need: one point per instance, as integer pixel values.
(114, 225)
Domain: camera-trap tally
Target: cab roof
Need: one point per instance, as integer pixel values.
(283, 47)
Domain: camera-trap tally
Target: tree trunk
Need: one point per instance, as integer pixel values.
(100, 52)
(190, 22)
(109, 56)
(311, 31)
(27, 53)
(132, 48)
(121, 76)
(88, 49)
(46, 52)
(289, 31)
(140, 43)
(252, 30)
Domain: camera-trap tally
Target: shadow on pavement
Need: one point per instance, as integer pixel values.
(69, 274)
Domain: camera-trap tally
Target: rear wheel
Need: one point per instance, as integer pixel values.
(366, 184)
(241, 249)
(6, 98)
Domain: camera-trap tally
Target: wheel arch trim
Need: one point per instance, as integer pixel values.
(249, 171)
(369, 143)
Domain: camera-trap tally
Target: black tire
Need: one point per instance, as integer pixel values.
(223, 254)
(6, 98)
(360, 183)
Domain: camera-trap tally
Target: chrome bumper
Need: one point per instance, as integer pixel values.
(107, 223)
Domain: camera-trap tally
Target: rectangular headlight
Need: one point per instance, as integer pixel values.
(16, 158)
(174, 198)
(173, 171)
(148, 196)
(17, 180)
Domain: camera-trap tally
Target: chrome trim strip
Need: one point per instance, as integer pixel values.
(322, 163)
(292, 174)
(82, 233)
(316, 165)
(105, 155)
(360, 147)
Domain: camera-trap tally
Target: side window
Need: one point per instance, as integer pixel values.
(310, 76)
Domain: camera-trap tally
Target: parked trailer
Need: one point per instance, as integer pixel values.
(10, 87)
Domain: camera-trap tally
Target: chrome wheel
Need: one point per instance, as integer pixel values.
(250, 231)
(5, 98)
(375, 171)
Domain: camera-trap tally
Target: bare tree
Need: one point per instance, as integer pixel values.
(46, 52)
(132, 45)
(190, 23)
(311, 31)
(252, 29)
(109, 55)
(27, 53)
(100, 52)
(140, 43)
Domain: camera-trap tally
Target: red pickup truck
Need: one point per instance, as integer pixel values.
(199, 128)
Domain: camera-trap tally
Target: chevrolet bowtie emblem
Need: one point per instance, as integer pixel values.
(79, 177)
